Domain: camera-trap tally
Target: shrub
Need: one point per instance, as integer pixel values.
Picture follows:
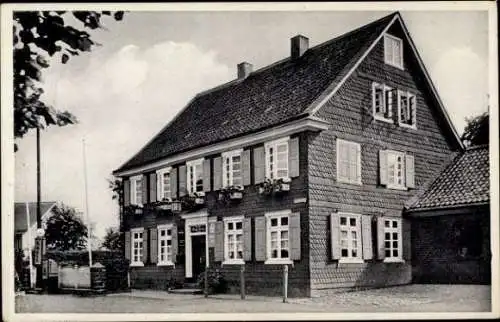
(216, 282)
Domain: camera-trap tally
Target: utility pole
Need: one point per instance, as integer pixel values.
(38, 204)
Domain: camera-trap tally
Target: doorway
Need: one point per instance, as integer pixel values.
(198, 255)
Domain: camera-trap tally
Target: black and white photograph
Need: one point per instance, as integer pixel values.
(249, 161)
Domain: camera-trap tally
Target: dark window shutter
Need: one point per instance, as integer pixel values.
(182, 180)
(295, 236)
(152, 186)
(406, 239)
(128, 251)
(153, 247)
(260, 239)
(219, 241)
(259, 161)
(218, 173)
(293, 157)
(126, 192)
(380, 238)
(175, 244)
(366, 235)
(335, 235)
(410, 171)
(383, 167)
(206, 175)
(145, 189)
(247, 239)
(145, 248)
(245, 167)
(173, 183)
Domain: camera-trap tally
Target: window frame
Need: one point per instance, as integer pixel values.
(393, 185)
(273, 174)
(133, 262)
(233, 220)
(269, 216)
(385, 89)
(227, 182)
(160, 187)
(358, 180)
(358, 230)
(166, 238)
(391, 230)
(387, 39)
(189, 184)
(413, 113)
(133, 190)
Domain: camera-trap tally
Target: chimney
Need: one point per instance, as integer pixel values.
(244, 69)
(299, 45)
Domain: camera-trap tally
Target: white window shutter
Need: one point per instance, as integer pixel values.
(245, 168)
(410, 171)
(383, 167)
(259, 161)
(335, 235)
(295, 236)
(247, 239)
(206, 175)
(260, 238)
(358, 162)
(366, 235)
(380, 238)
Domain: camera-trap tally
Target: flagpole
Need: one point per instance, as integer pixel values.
(30, 244)
(89, 246)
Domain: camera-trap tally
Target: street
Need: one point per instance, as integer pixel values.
(410, 298)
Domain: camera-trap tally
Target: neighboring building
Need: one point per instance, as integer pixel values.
(24, 234)
(451, 223)
(353, 127)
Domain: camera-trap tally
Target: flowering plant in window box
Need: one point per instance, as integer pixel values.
(164, 204)
(266, 187)
(234, 192)
(273, 186)
(134, 209)
(193, 200)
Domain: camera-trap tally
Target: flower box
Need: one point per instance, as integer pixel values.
(137, 211)
(282, 187)
(199, 200)
(236, 195)
(176, 206)
(164, 206)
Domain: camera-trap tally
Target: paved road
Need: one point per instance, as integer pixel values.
(412, 298)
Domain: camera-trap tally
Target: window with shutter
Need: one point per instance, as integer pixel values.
(276, 158)
(407, 109)
(349, 234)
(163, 184)
(278, 237)
(137, 247)
(232, 168)
(195, 176)
(136, 190)
(392, 240)
(348, 162)
(165, 251)
(233, 240)
(393, 51)
(399, 169)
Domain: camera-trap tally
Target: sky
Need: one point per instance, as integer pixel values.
(152, 63)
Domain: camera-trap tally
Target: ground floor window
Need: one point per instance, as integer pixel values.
(278, 235)
(392, 239)
(165, 244)
(137, 246)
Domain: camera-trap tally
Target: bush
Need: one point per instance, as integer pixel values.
(216, 282)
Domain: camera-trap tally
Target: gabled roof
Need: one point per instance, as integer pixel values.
(267, 97)
(20, 220)
(466, 181)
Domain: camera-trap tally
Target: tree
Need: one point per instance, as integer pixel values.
(112, 240)
(65, 229)
(116, 186)
(38, 34)
(476, 131)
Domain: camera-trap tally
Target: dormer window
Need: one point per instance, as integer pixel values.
(393, 51)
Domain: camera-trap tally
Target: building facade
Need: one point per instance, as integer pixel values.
(308, 162)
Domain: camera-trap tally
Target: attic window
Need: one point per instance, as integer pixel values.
(393, 51)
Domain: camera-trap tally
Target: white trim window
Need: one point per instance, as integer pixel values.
(393, 51)
(350, 237)
(407, 109)
(165, 245)
(231, 168)
(137, 247)
(278, 235)
(277, 158)
(392, 240)
(233, 240)
(136, 190)
(348, 161)
(163, 184)
(195, 176)
(395, 169)
(382, 102)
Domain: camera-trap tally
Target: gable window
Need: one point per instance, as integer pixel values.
(195, 176)
(278, 235)
(137, 246)
(231, 169)
(165, 245)
(407, 109)
(350, 237)
(382, 102)
(393, 51)
(397, 169)
(233, 240)
(136, 190)
(163, 188)
(277, 158)
(348, 162)
(392, 240)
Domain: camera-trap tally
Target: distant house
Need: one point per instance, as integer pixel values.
(23, 232)
(308, 162)
(451, 223)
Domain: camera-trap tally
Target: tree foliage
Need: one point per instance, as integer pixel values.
(476, 131)
(39, 35)
(65, 229)
(112, 240)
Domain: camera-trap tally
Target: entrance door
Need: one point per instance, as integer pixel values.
(198, 255)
